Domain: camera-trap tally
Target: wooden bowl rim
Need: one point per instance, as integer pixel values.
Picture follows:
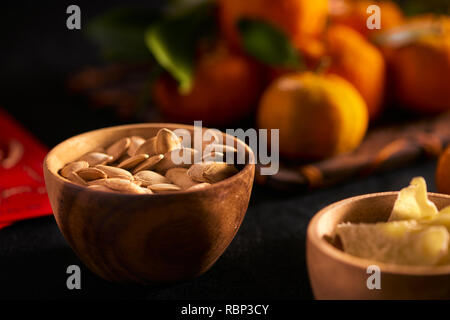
(328, 249)
(248, 167)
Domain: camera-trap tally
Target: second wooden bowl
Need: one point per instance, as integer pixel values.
(145, 238)
(335, 274)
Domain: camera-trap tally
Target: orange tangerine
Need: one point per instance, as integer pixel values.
(318, 116)
(443, 172)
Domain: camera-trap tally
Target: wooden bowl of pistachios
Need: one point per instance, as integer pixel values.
(149, 203)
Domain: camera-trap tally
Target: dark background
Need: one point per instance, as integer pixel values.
(267, 257)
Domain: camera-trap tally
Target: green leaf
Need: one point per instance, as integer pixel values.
(175, 54)
(414, 7)
(173, 41)
(268, 44)
(120, 33)
(178, 7)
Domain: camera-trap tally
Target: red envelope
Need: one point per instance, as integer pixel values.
(22, 188)
(5, 224)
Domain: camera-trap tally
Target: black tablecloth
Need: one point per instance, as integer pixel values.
(265, 260)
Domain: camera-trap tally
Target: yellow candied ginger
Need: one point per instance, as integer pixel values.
(415, 234)
(398, 242)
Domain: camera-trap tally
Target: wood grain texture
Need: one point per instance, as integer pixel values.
(385, 148)
(337, 275)
(144, 238)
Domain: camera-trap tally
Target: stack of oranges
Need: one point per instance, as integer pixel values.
(324, 108)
